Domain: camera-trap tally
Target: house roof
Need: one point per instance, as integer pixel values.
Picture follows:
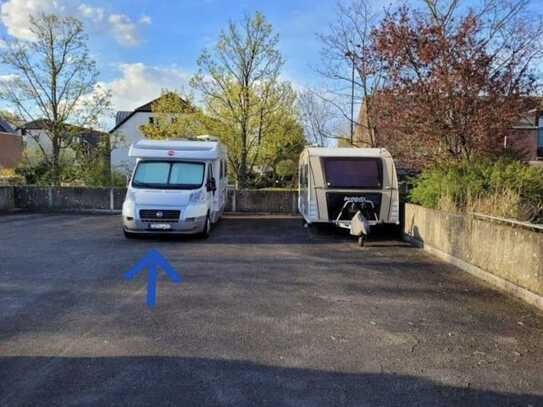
(123, 116)
(38, 124)
(120, 116)
(91, 136)
(6, 126)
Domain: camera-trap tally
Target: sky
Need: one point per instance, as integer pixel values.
(143, 46)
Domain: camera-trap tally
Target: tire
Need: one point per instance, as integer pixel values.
(207, 228)
(361, 240)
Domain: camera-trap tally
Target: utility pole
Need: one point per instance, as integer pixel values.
(349, 55)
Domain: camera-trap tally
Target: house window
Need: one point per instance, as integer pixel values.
(540, 138)
(153, 120)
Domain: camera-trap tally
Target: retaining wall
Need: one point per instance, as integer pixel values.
(7, 198)
(505, 253)
(104, 199)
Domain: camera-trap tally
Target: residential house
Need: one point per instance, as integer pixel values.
(525, 138)
(83, 140)
(127, 131)
(11, 145)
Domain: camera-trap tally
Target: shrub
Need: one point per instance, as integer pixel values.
(7, 172)
(503, 187)
(75, 170)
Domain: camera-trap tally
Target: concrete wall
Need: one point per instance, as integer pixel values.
(507, 254)
(262, 201)
(84, 198)
(68, 198)
(7, 198)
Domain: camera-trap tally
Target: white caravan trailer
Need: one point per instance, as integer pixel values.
(177, 187)
(353, 188)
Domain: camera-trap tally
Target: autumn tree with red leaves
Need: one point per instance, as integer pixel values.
(454, 84)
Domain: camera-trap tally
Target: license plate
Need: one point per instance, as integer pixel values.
(160, 226)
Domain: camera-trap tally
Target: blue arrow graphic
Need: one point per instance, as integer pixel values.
(151, 261)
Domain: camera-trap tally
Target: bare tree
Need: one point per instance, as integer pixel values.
(346, 43)
(54, 78)
(319, 118)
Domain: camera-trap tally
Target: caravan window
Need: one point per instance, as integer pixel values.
(353, 172)
(169, 175)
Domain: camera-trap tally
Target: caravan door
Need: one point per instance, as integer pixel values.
(303, 189)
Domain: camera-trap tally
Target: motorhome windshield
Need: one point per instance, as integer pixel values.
(169, 175)
(353, 172)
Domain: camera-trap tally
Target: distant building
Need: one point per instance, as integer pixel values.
(11, 145)
(525, 138)
(35, 135)
(127, 131)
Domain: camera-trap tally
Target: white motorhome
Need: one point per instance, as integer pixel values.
(177, 186)
(337, 183)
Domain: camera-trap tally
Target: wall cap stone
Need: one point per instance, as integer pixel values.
(488, 218)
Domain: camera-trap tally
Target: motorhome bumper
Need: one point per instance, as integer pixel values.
(187, 226)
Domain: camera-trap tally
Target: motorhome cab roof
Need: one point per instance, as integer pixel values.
(203, 148)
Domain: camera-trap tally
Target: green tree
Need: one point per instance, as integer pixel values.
(54, 78)
(11, 118)
(238, 80)
(275, 133)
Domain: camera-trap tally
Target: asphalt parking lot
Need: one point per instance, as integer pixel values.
(268, 313)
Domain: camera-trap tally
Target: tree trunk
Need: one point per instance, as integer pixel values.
(55, 161)
(242, 173)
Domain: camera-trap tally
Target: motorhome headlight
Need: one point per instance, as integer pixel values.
(129, 208)
(197, 197)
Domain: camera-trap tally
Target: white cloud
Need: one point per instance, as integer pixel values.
(140, 83)
(15, 15)
(145, 20)
(8, 78)
(124, 29)
(96, 14)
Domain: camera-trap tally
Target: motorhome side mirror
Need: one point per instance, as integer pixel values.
(211, 185)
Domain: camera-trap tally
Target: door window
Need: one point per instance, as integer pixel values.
(540, 136)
